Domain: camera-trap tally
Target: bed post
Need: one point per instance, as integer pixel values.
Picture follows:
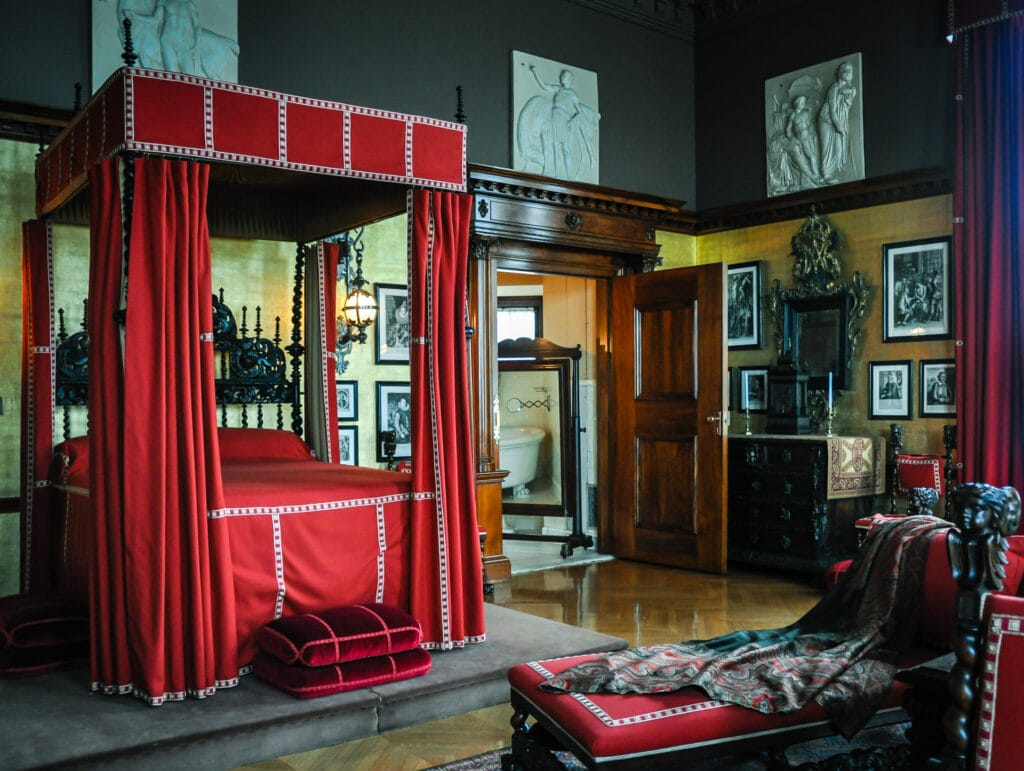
(896, 432)
(951, 467)
(296, 348)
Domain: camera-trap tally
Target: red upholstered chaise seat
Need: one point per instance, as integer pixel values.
(609, 730)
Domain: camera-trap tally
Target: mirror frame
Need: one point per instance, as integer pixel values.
(816, 272)
(538, 355)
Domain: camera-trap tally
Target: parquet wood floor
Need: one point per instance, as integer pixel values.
(645, 604)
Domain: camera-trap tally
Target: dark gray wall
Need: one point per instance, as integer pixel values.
(408, 55)
(908, 82)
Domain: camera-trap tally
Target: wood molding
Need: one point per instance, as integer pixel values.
(31, 123)
(894, 188)
(512, 206)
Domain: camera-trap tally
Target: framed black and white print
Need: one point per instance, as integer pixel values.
(348, 445)
(754, 389)
(917, 290)
(393, 323)
(744, 293)
(938, 388)
(890, 384)
(394, 413)
(347, 392)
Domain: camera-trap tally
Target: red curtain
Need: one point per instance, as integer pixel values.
(158, 546)
(37, 363)
(988, 207)
(321, 351)
(111, 662)
(446, 592)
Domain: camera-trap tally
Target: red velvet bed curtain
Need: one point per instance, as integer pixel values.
(37, 369)
(988, 204)
(446, 591)
(321, 351)
(164, 579)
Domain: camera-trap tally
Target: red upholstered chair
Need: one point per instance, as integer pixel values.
(906, 471)
(999, 703)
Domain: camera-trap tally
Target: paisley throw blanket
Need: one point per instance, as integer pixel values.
(842, 653)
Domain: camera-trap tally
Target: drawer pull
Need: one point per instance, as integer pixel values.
(786, 542)
(787, 487)
(787, 456)
(785, 514)
(755, 537)
(756, 485)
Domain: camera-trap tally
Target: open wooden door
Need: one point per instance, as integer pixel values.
(668, 446)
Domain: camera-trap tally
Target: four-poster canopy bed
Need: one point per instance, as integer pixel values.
(197, 535)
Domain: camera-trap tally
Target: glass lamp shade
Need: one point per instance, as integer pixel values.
(360, 309)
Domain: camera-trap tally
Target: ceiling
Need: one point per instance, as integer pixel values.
(685, 19)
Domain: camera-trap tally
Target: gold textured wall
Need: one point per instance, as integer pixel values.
(863, 232)
(16, 206)
(385, 261)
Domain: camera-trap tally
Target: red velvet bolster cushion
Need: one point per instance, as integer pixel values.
(41, 621)
(340, 634)
(306, 682)
(261, 444)
(25, 662)
(41, 633)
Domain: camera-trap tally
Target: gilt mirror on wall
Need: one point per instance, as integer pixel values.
(818, 321)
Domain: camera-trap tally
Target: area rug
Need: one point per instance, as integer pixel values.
(807, 752)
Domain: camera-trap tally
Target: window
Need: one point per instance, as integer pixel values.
(520, 317)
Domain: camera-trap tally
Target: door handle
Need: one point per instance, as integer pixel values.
(719, 421)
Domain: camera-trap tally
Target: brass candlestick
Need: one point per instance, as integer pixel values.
(746, 414)
(830, 414)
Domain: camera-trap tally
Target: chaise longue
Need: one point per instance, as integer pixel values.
(964, 564)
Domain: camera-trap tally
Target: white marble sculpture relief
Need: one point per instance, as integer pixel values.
(176, 35)
(555, 119)
(814, 127)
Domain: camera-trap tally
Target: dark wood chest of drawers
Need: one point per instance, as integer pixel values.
(781, 511)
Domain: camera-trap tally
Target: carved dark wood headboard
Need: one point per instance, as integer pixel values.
(253, 369)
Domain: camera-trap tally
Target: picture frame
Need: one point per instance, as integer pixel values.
(937, 397)
(746, 306)
(917, 290)
(348, 445)
(347, 394)
(753, 389)
(394, 414)
(392, 330)
(891, 386)
(730, 379)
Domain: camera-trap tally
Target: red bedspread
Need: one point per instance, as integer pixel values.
(305, 535)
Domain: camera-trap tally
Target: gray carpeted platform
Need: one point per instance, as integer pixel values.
(53, 720)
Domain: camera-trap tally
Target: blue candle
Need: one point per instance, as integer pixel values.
(830, 390)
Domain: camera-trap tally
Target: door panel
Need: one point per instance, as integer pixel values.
(668, 358)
